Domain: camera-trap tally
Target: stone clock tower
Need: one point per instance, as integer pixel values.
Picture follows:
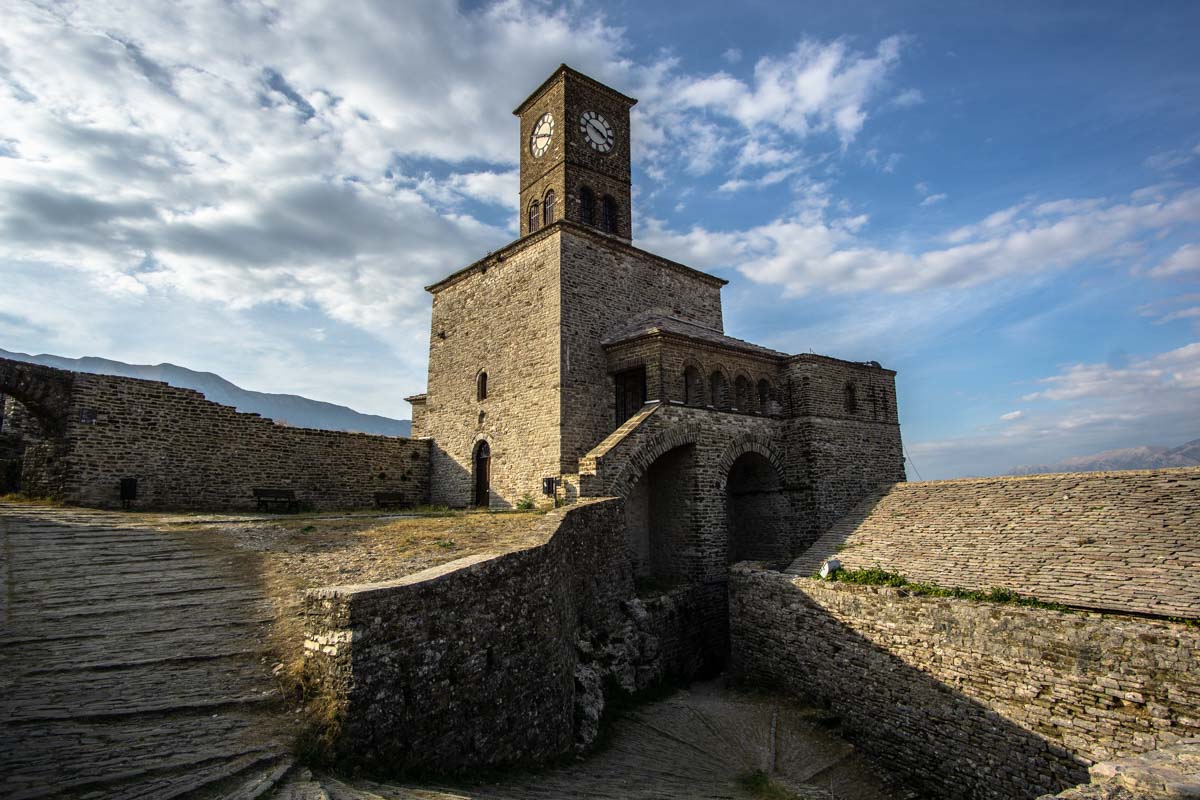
(575, 155)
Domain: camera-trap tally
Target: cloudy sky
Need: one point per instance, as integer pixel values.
(1001, 202)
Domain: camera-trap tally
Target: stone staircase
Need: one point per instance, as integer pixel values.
(696, 744)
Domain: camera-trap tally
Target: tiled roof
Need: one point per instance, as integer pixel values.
(659, 323)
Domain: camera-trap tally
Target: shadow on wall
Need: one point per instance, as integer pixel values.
(926, 730)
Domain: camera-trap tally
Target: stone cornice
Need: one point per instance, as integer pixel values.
(599, 237)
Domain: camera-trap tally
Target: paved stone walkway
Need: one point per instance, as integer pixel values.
(133, 662)
(692, 745)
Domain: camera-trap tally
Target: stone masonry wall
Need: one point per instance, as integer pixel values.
(604, 285)
(486, 661)
(1118, 541)
(504, 320)
(189, 453)
(969, 699)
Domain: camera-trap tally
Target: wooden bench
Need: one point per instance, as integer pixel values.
(276, 497)
(391, 500)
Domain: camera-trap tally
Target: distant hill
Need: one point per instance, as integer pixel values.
(1145, 457)
(289, 409)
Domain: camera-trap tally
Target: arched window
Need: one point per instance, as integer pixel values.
(851, 399)
(720, 390)
(481, 386)
(693, 387)
(587, 206)
(608, 214)
(741, 393)
(764, 396)
(548, 208)
(534, 216)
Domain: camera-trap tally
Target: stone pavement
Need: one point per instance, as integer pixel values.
(134, 662)
(694, 744)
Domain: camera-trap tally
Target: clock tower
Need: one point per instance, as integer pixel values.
(575, 155)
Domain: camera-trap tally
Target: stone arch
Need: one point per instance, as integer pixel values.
(746, 443)
(44, 392)
(35, 448)
(650, 451)
(759, 518)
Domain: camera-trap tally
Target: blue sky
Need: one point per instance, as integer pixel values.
(1000, 201)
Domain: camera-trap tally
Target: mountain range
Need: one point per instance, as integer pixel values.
(288, 409)
(1144, 457)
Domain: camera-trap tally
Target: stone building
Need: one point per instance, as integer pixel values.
(571, 354)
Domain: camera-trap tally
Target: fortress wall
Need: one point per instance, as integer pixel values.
(1118, 541)
(486, 661)
(969, 699)
(189, 453)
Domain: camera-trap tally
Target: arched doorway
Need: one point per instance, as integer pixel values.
(482, 469)
(758, 514)
(659, 516)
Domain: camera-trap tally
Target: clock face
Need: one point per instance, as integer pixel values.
(596, 131)
(539, 140)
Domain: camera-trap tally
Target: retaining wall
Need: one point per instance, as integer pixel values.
(486, 661)
(969, 699)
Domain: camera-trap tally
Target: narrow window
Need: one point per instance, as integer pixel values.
(851, 399)
(548, 208)
(608, 215)
(720, 391)
(481, 386)
(693, 387)
(587, 206)
(764, 396)
(534, 216)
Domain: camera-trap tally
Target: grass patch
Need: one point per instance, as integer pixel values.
(874, 576)
(29, 499)
(759, 783)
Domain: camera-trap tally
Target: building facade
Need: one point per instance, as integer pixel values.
(573, 355)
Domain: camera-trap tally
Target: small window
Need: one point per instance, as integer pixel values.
(534, 216)
(481, 386)
(548, 208)
(764, 396)
(608, 215)
(851, 399)
(587, 206)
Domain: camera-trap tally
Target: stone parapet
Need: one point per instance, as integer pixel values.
(969, 699)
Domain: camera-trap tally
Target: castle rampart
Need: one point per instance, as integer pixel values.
(189, 453)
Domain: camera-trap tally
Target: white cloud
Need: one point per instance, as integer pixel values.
(1012, 416)
(1185, 260)
(813, 251)
(818, 87)
(934, 199)
(908, 98)
(732, 56)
